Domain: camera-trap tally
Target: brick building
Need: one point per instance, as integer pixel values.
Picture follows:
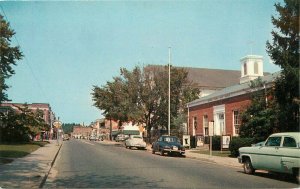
(81, 131)
(223, 107)
(48, 114)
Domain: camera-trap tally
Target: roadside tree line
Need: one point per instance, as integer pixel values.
(141, 96)
(21, 125)
(275, 109)
(280, 111)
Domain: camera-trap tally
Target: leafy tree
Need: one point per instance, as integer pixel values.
(259, 118)
(284, 50)
(68, 127)
(21, 126)
(13, 128)
(32, 120)
(8, 56)
(141, 96)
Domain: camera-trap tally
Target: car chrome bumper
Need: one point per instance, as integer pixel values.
(174, 151)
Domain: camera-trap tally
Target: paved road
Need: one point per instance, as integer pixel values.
(84, 164)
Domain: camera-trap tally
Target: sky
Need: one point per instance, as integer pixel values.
(71, 46)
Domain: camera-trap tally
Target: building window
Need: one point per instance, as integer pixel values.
(205, 125)
(255, 68)
(245, 68)
(195, 123)
(236, 122)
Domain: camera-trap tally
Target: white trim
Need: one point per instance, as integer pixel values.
(217, 110)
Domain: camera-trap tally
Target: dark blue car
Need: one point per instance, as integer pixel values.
(168, 144)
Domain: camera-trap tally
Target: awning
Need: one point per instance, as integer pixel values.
(114, 133)
(131, 132)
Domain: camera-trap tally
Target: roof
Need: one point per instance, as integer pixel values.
(206, 78)
(131, 132)
(4, 109)
(293, 134)
(231, 91)
(213, 78)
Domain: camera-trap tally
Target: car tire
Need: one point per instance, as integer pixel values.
(296, 174)
(153, 151)
(162, 152)
(248, 168)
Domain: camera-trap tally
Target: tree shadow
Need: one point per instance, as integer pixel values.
(22, 173)
(92, 180)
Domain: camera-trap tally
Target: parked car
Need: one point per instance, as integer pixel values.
(66, 137)
(279, 153)
(93, 138)
(135, 141)
(121, 137)
(169, 145)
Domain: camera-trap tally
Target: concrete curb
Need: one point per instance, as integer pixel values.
(49, 169)
(206, 159)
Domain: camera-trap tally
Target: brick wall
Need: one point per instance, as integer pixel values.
(231, 104)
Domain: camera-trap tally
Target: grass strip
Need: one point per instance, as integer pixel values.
(214, 153)
(19, 150)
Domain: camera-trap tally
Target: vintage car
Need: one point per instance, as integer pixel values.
(135, 141)
(121, 137)
(279, 153)
(169, 145)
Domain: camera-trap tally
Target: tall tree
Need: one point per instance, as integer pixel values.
(9, 54)
(284, 51)
(141, 96)
(259, 118)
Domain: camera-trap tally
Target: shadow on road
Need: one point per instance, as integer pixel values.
(91, 180)
(276, 176)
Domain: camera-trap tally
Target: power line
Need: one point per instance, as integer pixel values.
(26, 60)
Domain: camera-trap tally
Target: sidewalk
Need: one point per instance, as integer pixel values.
(29, 171)
(225, 161)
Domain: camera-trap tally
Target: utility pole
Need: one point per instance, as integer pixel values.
(169, 102)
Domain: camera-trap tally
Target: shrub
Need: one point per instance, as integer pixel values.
(237, 142)
(216, 143)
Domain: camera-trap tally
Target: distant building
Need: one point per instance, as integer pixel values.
(81, 132)
(48, 114)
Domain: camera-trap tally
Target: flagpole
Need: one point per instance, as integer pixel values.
(169, 94)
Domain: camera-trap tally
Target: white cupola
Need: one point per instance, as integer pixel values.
(251, 68)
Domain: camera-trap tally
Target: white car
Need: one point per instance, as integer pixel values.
(280, 153)
(135, 141)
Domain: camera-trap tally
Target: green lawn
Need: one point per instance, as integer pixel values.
(19, 150)
(214, 153)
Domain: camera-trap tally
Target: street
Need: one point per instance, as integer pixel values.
(85, 164)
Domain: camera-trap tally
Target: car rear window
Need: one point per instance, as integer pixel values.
(289, 142)
(170, 139)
